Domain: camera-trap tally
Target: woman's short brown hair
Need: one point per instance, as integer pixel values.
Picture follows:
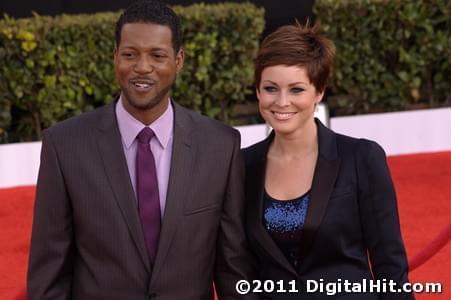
(298, 45)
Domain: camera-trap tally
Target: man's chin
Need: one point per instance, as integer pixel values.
(144, 104)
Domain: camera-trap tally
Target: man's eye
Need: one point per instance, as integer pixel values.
(159, 56)
(128, 55)
(270, 89)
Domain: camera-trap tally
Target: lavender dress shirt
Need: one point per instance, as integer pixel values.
(161, 146)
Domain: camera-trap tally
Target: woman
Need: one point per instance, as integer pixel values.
(322, 215)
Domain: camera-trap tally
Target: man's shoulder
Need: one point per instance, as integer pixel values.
(207, 126)
(80, 124)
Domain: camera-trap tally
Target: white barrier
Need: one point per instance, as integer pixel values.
(398, 132)
(405, 132)
(19, 164)
(252, 134)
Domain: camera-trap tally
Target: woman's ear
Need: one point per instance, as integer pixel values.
(319, 97)
(257, 92)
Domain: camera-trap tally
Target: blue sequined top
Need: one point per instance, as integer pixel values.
(284, 220)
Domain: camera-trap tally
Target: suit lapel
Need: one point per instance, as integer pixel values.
(326, 172)
(183, 152)
(256, 189)
(111, 151)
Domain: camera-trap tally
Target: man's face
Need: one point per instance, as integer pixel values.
(146, 65)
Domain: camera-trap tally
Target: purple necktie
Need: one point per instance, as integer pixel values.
(147, 190)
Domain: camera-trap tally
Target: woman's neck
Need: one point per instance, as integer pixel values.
(297, 144)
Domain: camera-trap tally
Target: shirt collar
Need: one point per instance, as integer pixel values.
(129, 127)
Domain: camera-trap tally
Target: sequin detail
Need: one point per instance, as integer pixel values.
(286, 216)
(284, 221)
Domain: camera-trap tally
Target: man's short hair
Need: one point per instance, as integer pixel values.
(152, 12)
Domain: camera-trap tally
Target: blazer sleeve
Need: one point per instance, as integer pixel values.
(379, 217)
(51, 251)
(233, 259)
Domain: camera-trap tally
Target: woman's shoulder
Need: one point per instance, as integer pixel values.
(254, 148)
(255, 152)
(362, 147)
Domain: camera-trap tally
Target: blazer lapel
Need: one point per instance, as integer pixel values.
(111, 150)
(183, 152)
(326, 172)
(255, 190)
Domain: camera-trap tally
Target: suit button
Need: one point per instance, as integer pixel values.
(153, 295)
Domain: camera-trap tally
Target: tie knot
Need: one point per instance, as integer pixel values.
(145, 135)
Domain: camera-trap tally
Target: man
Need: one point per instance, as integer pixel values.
(140, 199)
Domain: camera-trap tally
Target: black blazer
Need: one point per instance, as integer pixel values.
(352, 217)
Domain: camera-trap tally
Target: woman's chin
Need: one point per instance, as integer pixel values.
(284, 128)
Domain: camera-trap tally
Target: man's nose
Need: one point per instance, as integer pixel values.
(144, 65)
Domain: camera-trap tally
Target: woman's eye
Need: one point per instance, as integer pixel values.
(296, 90)
(270, 89)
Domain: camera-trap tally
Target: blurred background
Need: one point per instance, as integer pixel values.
(276, 12)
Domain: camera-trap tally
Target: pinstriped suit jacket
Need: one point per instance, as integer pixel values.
(87, 241)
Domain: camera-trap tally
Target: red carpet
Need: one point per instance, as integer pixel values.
(423, 184)
(15, 223)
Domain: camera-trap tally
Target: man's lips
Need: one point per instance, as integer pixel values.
(142, 85)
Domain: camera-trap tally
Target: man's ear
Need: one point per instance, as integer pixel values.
(179, 59)
(114, 53)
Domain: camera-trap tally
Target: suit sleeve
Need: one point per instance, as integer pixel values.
(51, 251)
(380, 220)
(234, 261)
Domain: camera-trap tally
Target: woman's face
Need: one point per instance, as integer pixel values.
(287, 98)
